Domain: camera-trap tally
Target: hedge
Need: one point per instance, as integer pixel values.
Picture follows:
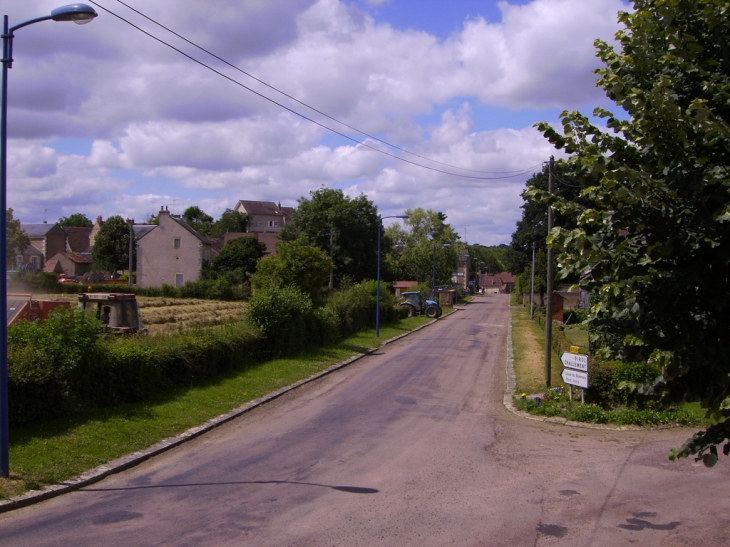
(65, 365)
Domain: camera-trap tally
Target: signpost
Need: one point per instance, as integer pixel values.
(577, 362)
(575, 378)
(575, 372)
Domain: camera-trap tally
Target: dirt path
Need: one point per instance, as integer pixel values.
(410, 446)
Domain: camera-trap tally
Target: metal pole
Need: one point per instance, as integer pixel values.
(433, 269)
(377, 290)
(131, 247)
(332, 262)
(4, 408)
(532, 286)
(549, 310)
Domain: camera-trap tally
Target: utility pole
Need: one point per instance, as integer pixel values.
(532, 286)
(549, 309)
(332, 262)
(130, 221)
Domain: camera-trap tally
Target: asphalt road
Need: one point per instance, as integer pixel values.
(407, 447)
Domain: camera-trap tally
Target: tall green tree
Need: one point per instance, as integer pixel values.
(198, 220)
(78, 220)
(230, 221)
(532, 227)
(410, 250)
(298, 264)
(654, 229)
(239, 258)
(111, 245)
(354, 225)
(17, 239)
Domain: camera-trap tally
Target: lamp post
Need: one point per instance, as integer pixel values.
(377, 290)
(78, 13)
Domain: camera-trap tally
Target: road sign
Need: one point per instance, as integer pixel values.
(575, 378)
(578, 362)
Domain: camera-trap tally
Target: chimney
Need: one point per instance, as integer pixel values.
(99, 221)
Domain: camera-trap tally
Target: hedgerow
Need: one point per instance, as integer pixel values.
(65, 365)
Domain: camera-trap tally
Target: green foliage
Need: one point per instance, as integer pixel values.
(282, 314)
(65, 365)
(653, 226)
(17, 239)
(532, 227)
(238, 259)
(111, 245)
(295, 264)
(75, 220)
(230, 221)
(354, 223)
(198, 220)
(411, 254)
(43, 361)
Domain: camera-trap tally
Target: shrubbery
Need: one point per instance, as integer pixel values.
(65, 364)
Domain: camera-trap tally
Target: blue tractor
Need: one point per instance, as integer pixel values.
(418, 305)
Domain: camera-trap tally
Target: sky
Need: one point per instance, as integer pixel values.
(400, 98)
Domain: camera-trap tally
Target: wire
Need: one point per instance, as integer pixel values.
(305, 104)
(509, 174)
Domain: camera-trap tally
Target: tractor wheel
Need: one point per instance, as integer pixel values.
(441, 311)
(432, 312)
(411, 310)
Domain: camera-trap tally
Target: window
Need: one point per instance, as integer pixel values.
(176, 243)
(178, 279)
(273, 223)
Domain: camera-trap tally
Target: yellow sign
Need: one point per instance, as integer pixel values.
(574, 349)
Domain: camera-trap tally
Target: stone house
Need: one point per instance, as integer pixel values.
(48, 239)
(71, 264)
(170, 253)
(265, 216)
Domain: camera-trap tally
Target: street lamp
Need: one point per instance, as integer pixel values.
(80, 14)
(433, 268)
(377, 290)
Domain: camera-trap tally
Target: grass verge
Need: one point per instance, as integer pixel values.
(528, 341)
(56, 450)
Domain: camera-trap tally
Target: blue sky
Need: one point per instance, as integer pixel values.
(103, 120)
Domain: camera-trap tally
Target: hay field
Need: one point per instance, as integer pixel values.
(162, 315)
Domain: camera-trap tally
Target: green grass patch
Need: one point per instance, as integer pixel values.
(528, 341)
(577, 337)
(557, 404)
(58, 449)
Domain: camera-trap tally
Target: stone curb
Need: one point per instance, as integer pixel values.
(510, 391)
(135, 458)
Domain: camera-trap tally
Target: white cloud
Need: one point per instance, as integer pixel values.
(158, 117)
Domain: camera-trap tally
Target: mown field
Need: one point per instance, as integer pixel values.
(162, 315)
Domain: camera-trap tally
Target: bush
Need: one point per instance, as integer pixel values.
(65, 364)
(282, 314)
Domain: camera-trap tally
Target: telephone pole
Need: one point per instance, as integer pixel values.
(549, 308)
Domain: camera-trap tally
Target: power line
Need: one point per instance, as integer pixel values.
(508, 174)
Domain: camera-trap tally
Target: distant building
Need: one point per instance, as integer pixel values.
(170, 253)
(48, 239)
(265, 216)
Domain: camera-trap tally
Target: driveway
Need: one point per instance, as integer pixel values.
(410, 446)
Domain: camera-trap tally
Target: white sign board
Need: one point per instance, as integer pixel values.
(574, 360)
(575, 378)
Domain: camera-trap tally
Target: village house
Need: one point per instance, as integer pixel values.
(170, 253)
(265, 216)
(47, 239)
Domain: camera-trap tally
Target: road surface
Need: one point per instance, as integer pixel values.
(408, 447)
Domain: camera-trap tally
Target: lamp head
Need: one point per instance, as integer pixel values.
(78, 13)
